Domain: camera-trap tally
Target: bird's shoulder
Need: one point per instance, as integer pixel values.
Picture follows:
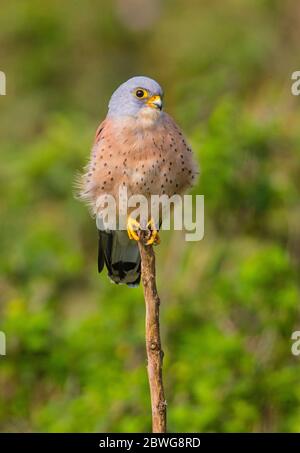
(102, 128)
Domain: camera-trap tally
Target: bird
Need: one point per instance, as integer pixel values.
(138, 145)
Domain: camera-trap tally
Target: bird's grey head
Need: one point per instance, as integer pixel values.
(134, 95)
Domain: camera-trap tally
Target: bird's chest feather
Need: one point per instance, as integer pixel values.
(140, 148)
(146, 156)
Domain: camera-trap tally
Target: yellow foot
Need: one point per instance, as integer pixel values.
(132, 227)
(154, 238)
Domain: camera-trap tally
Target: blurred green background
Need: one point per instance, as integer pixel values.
(75, 343)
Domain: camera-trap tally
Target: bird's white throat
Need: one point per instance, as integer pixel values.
(148, 116)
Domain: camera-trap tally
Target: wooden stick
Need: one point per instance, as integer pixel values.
(153, 343)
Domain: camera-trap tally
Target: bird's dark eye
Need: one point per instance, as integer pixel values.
(140, 93)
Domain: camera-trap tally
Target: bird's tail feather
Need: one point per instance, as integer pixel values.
(121, 257)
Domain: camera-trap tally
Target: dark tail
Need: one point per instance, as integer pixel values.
(121, 257)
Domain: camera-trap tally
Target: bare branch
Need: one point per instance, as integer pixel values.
(153, 342)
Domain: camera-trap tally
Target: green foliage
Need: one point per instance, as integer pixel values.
(75, 342)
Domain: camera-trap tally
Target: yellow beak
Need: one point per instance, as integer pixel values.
(155, 102)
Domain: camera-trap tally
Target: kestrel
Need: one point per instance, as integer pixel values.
(139, 146)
